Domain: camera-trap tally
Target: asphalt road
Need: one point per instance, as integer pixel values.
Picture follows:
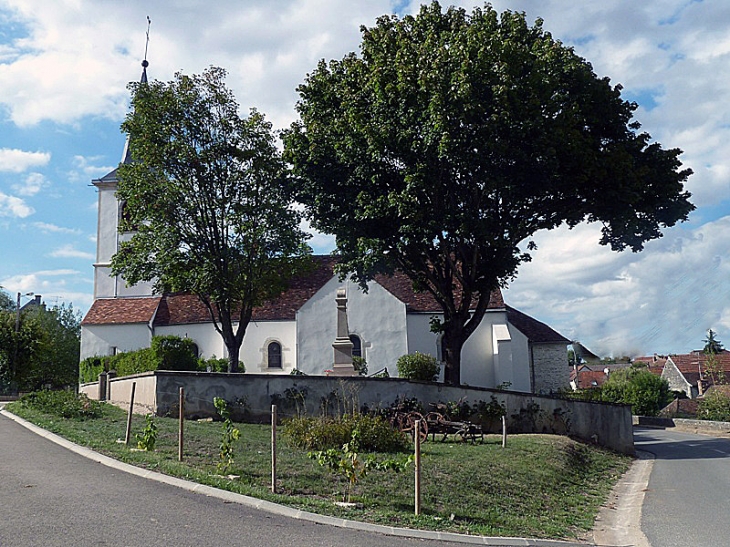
(50, 496)
(687, 501)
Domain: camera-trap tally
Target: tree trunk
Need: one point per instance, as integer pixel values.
(233, 353)
(452, 344)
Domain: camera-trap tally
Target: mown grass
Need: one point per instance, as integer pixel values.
(540, 486)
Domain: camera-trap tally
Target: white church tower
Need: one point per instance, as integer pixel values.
(108, 237)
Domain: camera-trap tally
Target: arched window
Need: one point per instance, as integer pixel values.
(273, 352)
(356, 345)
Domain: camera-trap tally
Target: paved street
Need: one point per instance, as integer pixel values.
(687, 502)
(50, 496)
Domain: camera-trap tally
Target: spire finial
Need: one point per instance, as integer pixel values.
(145, 64)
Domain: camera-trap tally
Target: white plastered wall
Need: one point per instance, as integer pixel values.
(377, 317)
(100, 340)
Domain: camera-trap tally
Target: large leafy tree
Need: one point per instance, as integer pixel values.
(39, 347)
(208, 200)
(452, 138)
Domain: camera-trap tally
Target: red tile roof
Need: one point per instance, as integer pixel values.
(587, 379)
(179, 308)
(106, 311)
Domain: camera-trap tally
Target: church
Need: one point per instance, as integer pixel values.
(509, 349)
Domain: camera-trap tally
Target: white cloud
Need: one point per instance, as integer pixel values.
(68, 251)
(663, 299)
(16, 161)
(85, 168)
(52, 228)
(32, 184)
(12, 206)
(54, 286)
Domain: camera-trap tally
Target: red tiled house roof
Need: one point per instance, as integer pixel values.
(180, 308)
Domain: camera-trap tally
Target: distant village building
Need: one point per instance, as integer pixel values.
(689, 373)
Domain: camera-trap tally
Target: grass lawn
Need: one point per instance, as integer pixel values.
(540, 486)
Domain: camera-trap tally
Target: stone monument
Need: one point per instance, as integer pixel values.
(342, 346)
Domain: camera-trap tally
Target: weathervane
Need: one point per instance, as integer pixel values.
(147, 42)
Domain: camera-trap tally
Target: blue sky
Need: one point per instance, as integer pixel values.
(64, 67)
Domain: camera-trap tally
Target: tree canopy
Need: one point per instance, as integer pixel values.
(207, 201)
(454, 137)
(39, 347)
(712, 344)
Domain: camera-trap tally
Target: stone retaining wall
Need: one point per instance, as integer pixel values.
(606, 424)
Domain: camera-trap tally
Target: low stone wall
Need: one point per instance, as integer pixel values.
(606, 424)
(700, 427)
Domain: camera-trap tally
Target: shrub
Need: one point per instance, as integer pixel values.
(714, 406)
(217, 365)
(65, 404)
(91, 367)
(374, 433)
(418, 366)
(174, 353)
(647, 393)
(360, 365)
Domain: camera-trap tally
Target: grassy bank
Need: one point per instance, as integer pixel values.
(539, 486)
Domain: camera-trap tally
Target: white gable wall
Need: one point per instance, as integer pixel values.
(521, 361)
(377, 317)
(100, 340)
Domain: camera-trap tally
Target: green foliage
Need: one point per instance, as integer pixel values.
(41, 350)
(375, 434)
(714, 406)
(147, 439)
(297, 372)
(174, 353)
(164, 353)
(65, 404)
(209, 192)
(230, 434)
(418, 366)
(360, 365)
(452, 138)
(216, 364)
(91, 367)
(352, 466)
(647, 393)
(712, 344)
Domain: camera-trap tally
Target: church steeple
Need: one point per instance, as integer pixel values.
(108, 237)
(126, 156)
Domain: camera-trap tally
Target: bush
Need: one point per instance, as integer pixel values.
(418, 366)
(647, 393)
(374, 433)
(65, 404)
(174, 353)
(714, 406)
(91, 367)
(217, 365)
(164, 353)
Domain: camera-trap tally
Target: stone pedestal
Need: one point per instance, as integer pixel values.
(342, 345)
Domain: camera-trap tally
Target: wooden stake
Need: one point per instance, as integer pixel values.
(273, 449)
(129, 416)
(504, 432)
(417, 448)
(181, 426)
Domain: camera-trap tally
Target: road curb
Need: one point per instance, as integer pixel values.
(282, 510)
(619, 521)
